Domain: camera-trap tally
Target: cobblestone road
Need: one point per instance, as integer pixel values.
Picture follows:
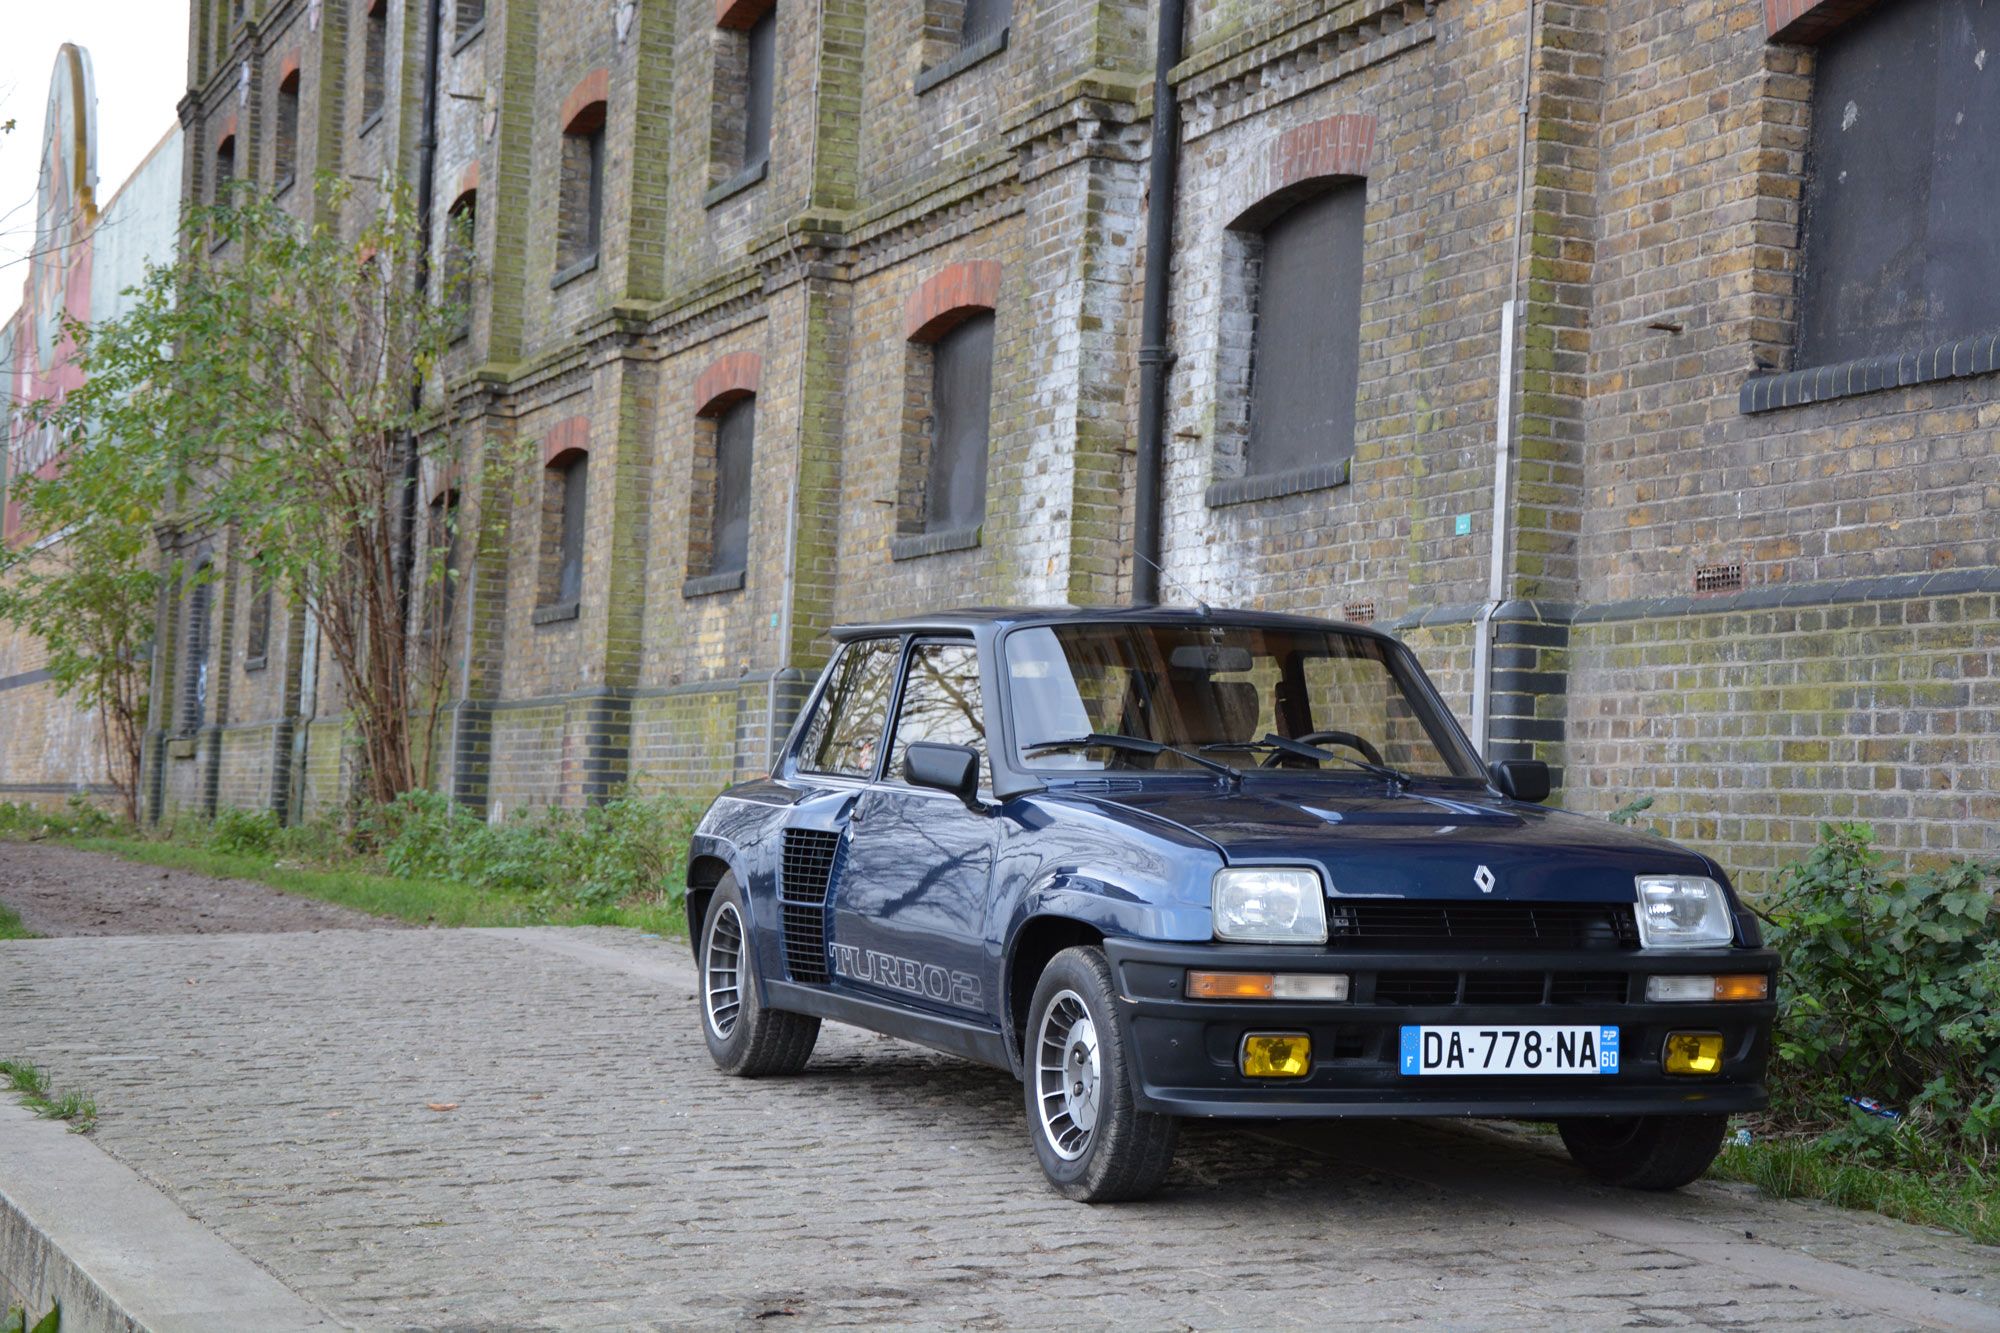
(597, 1172)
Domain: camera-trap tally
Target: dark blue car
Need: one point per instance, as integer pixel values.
(1163, 863)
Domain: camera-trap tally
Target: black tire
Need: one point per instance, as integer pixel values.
(1644, 1152)
(744, 1037)
(1123, 1153)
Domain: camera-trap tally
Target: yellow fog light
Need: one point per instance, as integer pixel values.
(1694, 1053)
(1277, 1054)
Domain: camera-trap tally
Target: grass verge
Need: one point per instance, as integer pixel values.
(419, 901)
(1966, 1202)
(12, 929)
(32, 1083)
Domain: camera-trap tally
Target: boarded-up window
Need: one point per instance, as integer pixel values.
(257, 628)
(285, 146)
(225, 169)
(580, 207)
(442, 543)
(985, 19)
(375, 60)
(761, 50)
(1305, 353)
(575, 487)
(961, 413)
(194, 663)
(461, 238)
(1901, 183)
(729, 539)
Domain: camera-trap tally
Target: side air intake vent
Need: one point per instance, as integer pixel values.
(811, 860)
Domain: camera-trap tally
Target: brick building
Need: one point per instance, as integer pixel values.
(92, 241)
(805, 311)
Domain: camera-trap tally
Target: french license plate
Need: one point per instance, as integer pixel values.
(1510, 1050)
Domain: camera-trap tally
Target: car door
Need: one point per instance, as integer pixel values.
(838, 754)
(910, 907)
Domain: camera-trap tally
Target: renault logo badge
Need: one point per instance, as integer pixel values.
(1484, 879)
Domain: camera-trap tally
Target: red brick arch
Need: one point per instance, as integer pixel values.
(1810, 21)
(565, 440)
(728, 379)
(740, 14)
(288, 67)
(1268, 183)
(944, 301)
(227, 131)
(468, 180)
(592, 91)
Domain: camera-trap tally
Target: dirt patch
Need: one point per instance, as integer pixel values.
(62, 891)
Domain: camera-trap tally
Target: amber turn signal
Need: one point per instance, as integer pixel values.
(1755, 987)
(1694, 1053)
(1229, 985)
(1277, 1055)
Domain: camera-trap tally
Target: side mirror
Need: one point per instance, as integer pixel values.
(1522, 779)
(952, 768)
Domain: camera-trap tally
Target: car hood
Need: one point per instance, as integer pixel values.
(1420, 844)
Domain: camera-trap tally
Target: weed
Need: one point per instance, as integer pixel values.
(36, 1093)
(12, 929)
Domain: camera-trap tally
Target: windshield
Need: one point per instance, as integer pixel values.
(1225, 693)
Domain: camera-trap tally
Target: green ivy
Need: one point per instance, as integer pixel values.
(1891, 991)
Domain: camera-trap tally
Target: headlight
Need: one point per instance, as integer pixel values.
(1269, 905)
(1683, 912)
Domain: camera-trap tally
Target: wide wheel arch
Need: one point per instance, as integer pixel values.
(1038, 941)
(704, 873)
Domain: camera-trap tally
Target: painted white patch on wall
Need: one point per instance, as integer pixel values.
(1849, 116)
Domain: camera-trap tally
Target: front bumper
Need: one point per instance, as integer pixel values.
(1186, 1050)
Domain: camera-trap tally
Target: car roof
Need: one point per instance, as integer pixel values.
(973, 619)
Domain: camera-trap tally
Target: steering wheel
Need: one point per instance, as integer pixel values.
(1347, 738)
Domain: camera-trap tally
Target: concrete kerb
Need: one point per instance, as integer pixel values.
(79, 1228)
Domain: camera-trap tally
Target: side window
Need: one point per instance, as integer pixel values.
(940, 702)
(847, 727)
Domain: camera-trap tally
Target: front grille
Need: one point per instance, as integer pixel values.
(1498, 988)
(811, 860)
(1384, 923)
(1416, 988)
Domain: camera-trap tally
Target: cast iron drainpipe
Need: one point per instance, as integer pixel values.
(1163, 173)
(427, 147)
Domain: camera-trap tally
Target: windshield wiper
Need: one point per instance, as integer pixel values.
(1133, 745)
(1271, 741)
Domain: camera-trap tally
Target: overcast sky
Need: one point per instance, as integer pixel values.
(138, 49)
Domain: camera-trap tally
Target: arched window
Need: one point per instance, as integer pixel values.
(460, 251)
(196, 647)
(285, 146)
(375, 62)
(1306, 345)
(580, 203)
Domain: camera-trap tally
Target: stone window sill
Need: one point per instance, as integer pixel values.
(1977, 355)
(283, 187)
(968, 56)
(469, 36)
(181, 747)
(256, 663)
(916, 546)
(565, 276)
(707, 585)
(737, 184)
(561, 611)
(1271, 485)
(368, 123)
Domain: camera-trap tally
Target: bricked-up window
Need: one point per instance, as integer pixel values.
(565, 506)
(460, 249)
(257, 626)
(746, 71)
(961, 417)
(375, 61)
(195, 655)
(729, 519)
(471, 14)
(984, 20)
(1305, 350)
(286, 136)
(580, 206)
(1900, 183)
